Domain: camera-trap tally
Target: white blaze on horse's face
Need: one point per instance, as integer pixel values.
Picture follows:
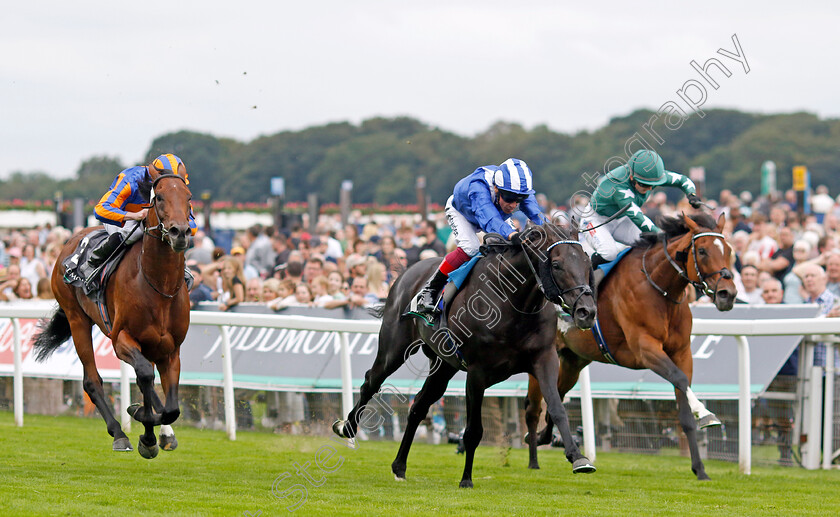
(151, 195)
(719, 245)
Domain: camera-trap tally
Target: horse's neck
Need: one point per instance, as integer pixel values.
(515, 280)
(161, 263)
(665, 274)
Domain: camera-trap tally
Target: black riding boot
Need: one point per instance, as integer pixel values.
(99, 255)
(429, 293)
(597, 273)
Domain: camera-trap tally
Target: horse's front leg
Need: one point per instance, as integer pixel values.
(474, 430)
(688, 404)
(546, 370)
(129, 350)
(169, 378)
(532, 418)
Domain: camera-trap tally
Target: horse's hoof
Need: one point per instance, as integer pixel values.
(703, 477)
(708, 421)
(168, 442)
(147, 452)
(338, 428)
(582, 466)
(122, 444)
(397, 478)
(466, 483)
(132, 409)
(535, 466)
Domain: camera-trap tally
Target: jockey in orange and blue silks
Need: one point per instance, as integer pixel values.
(483, 201)
(122, 210)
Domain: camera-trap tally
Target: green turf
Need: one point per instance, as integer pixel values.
(64, 466)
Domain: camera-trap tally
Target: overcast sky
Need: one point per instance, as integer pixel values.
(83, 78)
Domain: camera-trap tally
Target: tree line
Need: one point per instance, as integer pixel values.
(384, 156)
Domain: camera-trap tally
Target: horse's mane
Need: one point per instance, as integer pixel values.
(145, 188)
(674, 227)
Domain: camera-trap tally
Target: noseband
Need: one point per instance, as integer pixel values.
(682, 256)
(164, 233)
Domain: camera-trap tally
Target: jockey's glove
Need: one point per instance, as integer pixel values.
(694, 201)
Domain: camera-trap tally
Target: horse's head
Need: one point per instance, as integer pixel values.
(562, 270)
(169, 212)
(707, 264)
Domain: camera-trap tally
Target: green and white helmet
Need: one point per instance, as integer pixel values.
(647, 168)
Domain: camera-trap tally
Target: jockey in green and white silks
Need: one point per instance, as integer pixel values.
(627, 186)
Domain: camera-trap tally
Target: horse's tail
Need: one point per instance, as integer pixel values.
(376, 310)
(53, 333)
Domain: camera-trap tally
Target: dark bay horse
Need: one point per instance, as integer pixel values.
(148, 306)
(502, 322)
(646, 321)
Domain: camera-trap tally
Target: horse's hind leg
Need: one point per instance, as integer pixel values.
(432, 390)
(80, 326)
(394, 348)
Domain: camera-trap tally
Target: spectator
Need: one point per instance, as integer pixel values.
(199, 252)
(253, 290)
(432, 241)
(320, 287)
(813, 283)
(23, 289)
(781, 262)
(356, 266)
(399, 263)
(377, 284)
(771, 291)
(233, 283)
(201, 292)
(791, 282)
(281, 249)
(360, 295)
(314, 267)
(32, 267)
(832, 269)
(270, 289)
(260, 254)
(285, 295)
(7, 286)
(248, 271)
(749, 279)
(303, 295)
(294, 271)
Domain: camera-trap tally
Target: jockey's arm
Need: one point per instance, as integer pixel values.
(684, 183)
(486, 213)
(109, 210)
(531, 209)
(633, 211)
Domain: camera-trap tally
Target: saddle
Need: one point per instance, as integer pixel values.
(93, 287)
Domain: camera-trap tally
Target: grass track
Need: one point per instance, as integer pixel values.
(64, 466)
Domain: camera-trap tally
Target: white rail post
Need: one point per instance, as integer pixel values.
(346, 375)
(744, 411)
(828, 405)
(125, 397)
(18, 380)
(587, 415)
(227, 373)
(815, 409)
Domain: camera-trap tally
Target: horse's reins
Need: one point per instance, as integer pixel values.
(162, 236)
(683, 256)
(584, 288)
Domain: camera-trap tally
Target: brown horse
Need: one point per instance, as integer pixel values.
(645, 324)
(148, 305)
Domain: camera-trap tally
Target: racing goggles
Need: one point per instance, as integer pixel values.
(512, 197)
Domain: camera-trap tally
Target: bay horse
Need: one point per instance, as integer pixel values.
(501, 322)
(646, 321)
(148, 306)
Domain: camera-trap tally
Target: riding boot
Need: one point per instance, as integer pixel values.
(99, 255)
(597, 273)
(428, 295)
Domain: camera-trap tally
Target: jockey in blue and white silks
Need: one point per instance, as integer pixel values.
(483, 201)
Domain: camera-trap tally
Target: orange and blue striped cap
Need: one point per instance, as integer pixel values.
(170, 164)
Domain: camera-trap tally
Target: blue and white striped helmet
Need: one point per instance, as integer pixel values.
(514, 176)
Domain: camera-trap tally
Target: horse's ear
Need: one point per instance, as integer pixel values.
(694, 227)
(573, 229)
(721, 222)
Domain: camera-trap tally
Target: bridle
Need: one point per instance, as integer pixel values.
(162, 235)
(548, 285)
(701, 282)
(153, 204)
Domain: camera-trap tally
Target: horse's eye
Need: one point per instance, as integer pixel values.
(702, 251)
(556, 266)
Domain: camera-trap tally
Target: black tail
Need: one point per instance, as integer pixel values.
(53, 333)
(376, 310)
